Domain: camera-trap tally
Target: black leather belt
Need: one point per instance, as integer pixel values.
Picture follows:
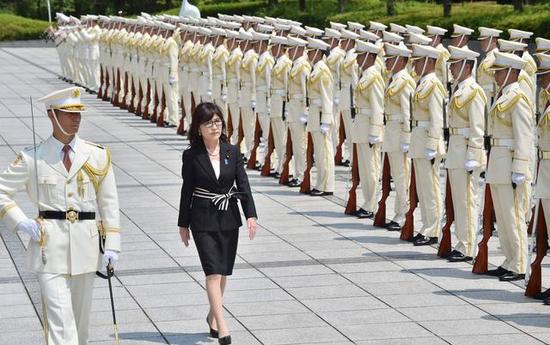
(71, 215)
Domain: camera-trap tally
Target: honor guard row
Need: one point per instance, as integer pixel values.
(393, 103)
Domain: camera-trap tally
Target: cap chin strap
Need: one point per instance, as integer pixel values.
(489, 44)
(315, 56)
(59, 125)
(503, 84)
(364, 60)
(461, 39)
(394, 63)
(424, 67)
(457, 79)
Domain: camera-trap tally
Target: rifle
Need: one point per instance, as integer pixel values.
(481, 261)
(338, 157)
(446, 132)
(160, 119)
(351, 206)
(229, 122)
(133, 92)
(240, 133)
(305, 187)
(380, 217)
(146, 114)
(266, 169)
(407, 231)
(114, 100)
(156, 102)
(107, 78)
(285, 174)
(123, 104)
(181, 125)
(534, 276)
(101, 82)
(251, 164)
(445, 245)
(139, 111)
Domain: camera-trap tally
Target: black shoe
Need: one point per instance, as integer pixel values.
(213, 332)
(542, 295)
(392, 226)
(316, 192)
(294, 183)
(417, 237)
(346, 163)
(457, 256)
(258, 166)
(361, 213)
(275, 175)
(425, 241)
(497, 272)
(225, 340)
(511, 276)
(546, 301)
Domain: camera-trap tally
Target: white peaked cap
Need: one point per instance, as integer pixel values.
(314, 31)
(463, 53)
(232, 34)
(346, 34)
(396, 50)
(245, 35)
(293, 22)
(337, 26)
(369, 36)
(169, 26)
(355, 26)
(419, 39)
(281, 26)
(488, 32)
(260, 37)
(435, 30)
(507, 60)
(279, 40)
(265, 28)
(516, 34)
(205, 31)
(543, 45)
(238, 18)
(225, 17)
(296, 42)
(376, 26)
(67, 100)
(105, 18)
(218, 31)
(420, 51)
(298, 30)
(391, 37)
(270, 20)
(332, 33)
(506, 46)
(146, 15)
(315, 43)
(397, 28)
(461, 30)
(141, 20)
(415, 29)
(544, 63)
(232, 25)
(366, 47)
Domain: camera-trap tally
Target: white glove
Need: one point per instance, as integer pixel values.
(268, 110)
(109, 255)
(374, 139)
(303, 118)
(286, 114)
(325, 128)
(518, 178)
(404, 147)
(224, 97)
(209, 93)
(30, 227)
(172, 81)
(430, 154)
(336, 101)
(253, 104)
(470, 164)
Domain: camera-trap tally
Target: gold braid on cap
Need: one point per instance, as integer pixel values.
(70, 107)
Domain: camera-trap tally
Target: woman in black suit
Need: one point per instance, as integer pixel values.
(213, 179)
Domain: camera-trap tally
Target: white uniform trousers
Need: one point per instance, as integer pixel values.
(279, 128)
(336, 127)
(429, 195)
(369, 174)
(217, 98)
(68, 302)
(347, 123)
(248, 117)
(263, 111)
(235, 112)
(324, 158)
(400, 171)
(170, 91)
(510, 205)
(465, 191)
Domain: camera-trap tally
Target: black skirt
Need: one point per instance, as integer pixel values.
(217, 250)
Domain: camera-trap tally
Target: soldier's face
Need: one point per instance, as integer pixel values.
(70, 122)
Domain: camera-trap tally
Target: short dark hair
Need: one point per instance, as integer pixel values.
(203, 113)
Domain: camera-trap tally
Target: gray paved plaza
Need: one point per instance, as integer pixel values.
(313, 275)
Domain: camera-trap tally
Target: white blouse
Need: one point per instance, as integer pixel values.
(216, 166)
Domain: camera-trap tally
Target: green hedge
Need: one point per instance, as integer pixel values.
(248, 7)
(13, 27)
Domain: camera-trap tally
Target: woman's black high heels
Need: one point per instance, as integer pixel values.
(213, 332)
(224, 340)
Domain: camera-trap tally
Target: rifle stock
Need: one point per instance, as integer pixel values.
(266, 169)
(534, 284)
(156, 102)
(114, 101)
(251, 164)
(240, 133)
(338, 157)
(445, 246)
(407, 231)
(139, 111)
(107, 77)
(351, 206)
(148, 97)
(229, 123)
(305, 187)
(380, 217)
(181, 124)
(132, 108)
(101, 82)
(160, 119)
(123, 104)
(481, 262)
(285, 174)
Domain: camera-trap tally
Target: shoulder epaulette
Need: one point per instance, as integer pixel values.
(94, 144)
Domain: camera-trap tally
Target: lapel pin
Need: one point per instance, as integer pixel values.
(227, 155)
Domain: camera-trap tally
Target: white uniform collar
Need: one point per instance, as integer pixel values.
(58, 145)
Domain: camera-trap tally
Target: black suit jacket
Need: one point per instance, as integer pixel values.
(201, 214)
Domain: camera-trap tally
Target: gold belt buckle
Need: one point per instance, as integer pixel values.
(71, 215)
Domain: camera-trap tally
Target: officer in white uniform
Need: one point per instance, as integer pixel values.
(78, 204)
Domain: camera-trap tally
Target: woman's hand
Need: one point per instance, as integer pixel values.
(251, 224)
(185, 236)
